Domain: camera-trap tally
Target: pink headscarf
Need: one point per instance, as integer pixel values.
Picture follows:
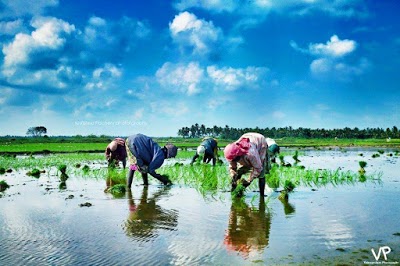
(236, 149)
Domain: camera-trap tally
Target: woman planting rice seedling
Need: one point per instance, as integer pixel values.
(249, 153)
(116, 152)
(208, 149)
(146, 156)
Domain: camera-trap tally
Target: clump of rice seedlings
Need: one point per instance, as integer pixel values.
(381, 151)
(282, 159)
(361, 154)
(2, 170)
(375, 155)
(115, 177)
(296, 157)
(362, 164)
(117, 190)
(78, 165)
(238, 192)
(86, 169)
(34, 172)
(63, 168)
(289, 186)
(3, 185)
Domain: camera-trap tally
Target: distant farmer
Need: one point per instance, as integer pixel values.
(116, 152)
(208, 149)
(273, 151)
(248, 154)
(146, 156)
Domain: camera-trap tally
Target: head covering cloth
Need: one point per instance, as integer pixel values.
(236, 149)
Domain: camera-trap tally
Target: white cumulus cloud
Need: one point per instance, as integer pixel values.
(49, 35)
(230, 79)
(197, 34)
(184, 78)
(333, 48)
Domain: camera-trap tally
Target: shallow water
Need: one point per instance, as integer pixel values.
(43, 225)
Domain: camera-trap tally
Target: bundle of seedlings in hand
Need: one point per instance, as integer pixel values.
(239, 191)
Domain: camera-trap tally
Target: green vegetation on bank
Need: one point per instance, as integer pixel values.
(27, 145)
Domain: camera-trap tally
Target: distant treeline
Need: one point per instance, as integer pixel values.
(198, 131)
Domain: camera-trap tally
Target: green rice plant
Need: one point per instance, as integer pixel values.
(375, 155)
(62, 168)
(282, 159)
(2, 170)
(117, 190)
(3, 185)
(238, 192)
(34, 172)
(296, 157)
(362, 164)
(289, 186)
(85, 169)
(381, 151)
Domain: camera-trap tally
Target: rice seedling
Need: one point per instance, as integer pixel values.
(2, 170)
(34, 172)
(63, 168)
(381, 151)
(375, 155)
(238, 192)
(3, 185)
(296, 157)
(362, 164)
(85, 169)
(117, 190)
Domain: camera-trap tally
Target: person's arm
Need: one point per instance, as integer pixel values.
(108, 153)
(233, 168)
(194, 158)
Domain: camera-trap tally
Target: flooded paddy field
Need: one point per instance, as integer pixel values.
(333, 223)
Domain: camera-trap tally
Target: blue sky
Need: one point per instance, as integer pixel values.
(123, 67)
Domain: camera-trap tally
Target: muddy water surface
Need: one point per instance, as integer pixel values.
(82, 225)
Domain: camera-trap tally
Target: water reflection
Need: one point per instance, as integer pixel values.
(146, 219)
(288, 208)
(248, 228)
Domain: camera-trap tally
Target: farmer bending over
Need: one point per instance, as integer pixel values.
(273, 151)
(248, 154)
(208, 149)
(116, 152)
(146, 156)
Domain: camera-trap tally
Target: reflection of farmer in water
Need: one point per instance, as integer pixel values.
(248, 229)
(147, 218)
